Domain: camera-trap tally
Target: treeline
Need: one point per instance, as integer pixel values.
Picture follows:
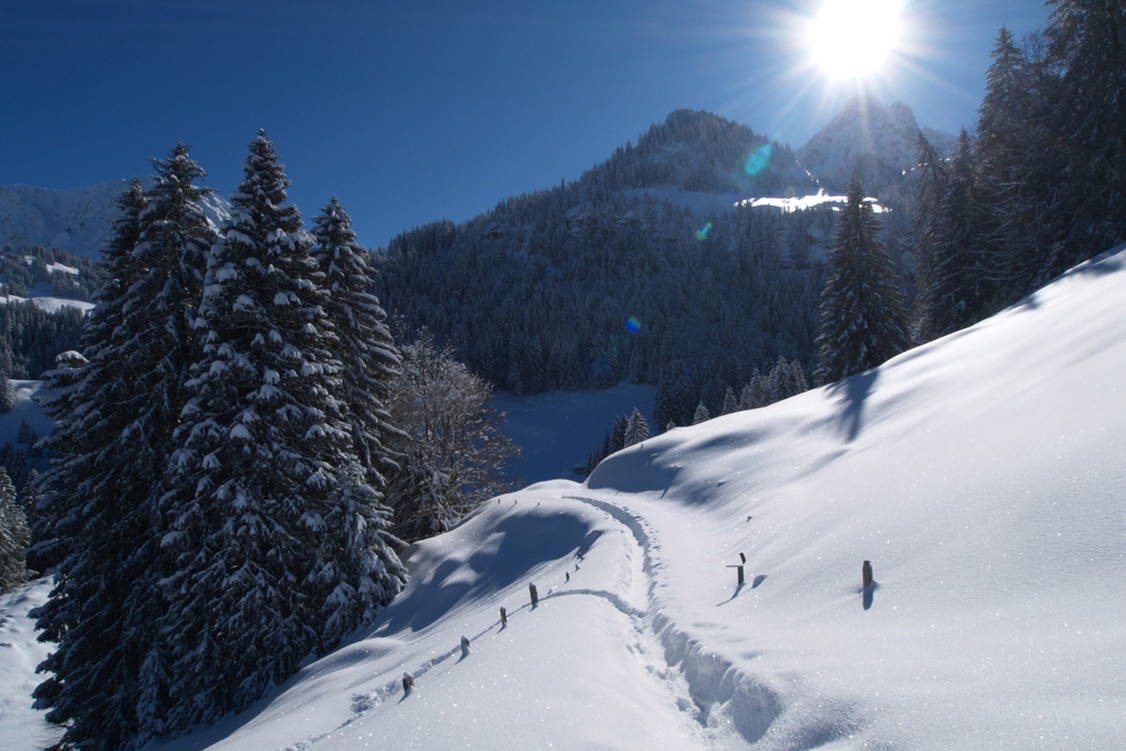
(28, 268)
(235, 450)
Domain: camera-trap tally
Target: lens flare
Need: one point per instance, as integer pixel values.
(758, 159)
(633, 325)
(702, 233)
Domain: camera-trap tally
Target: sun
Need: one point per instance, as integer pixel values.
(854, 39)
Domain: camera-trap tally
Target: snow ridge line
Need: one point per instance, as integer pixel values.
(719, 690)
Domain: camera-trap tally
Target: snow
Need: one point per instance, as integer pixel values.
(20, 653)
(800, 203)
(50, 304)
(62, 268)
(980, 474)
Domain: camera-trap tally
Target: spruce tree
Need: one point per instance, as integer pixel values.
(367, 353)
(276, 545)
(13, 536)
(114, 418)
(637, 428)
(1007, 148)
(730, 404)
(958, 287)
(930, 191)
(862, 316)
(701, 415)
(1087, 39)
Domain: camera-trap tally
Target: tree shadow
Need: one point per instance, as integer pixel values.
(854, 391)
(870, 594)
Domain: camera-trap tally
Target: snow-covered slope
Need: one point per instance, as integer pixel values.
(76, 220)
(866, 138)
(980, 474)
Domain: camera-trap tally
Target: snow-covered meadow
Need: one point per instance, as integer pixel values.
(980, 474)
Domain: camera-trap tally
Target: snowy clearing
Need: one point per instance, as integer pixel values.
(50, 304)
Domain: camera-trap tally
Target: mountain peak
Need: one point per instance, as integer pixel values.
(869, 139)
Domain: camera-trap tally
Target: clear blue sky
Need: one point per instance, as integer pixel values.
(421, 109)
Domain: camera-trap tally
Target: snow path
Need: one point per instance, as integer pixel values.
(724, 697)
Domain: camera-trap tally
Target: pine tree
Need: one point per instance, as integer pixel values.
(276, 544)
(958, 283)
(13, 536)
(862, 316)
(1087, 39)
(7, 397)
(930, 191)
(637, 428)
(97, 522)
(730, 404)
(367, 353)
(702, 414)
(1007, 146)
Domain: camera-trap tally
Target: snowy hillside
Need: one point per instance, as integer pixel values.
(867, 138)
(76, 220)
(980, 474)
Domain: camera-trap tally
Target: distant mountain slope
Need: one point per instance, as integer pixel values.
(77, 220)
(874, 141)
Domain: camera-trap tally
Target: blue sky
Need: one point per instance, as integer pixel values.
(417, 110)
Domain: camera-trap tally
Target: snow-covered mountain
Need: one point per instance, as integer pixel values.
(981, 476)
(877, 142)
(77, 220)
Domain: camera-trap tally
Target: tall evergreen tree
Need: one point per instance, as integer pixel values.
(114, 418)
(862, 316)
(1087, 39)
(276, 545)
(701, 415)
(930, 191)
(958, 283)
(13, 536)
(637, 428)
(730, 403)
(367, 353)
(1008, 147)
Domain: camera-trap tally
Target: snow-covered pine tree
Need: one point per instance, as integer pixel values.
(7, 397)
(114, 418)
(930, 191)
(958, 286)
(277, 546)
(365, 348)
(702, 414)
(730, 403)
(13, 536)
(1006, 137)
(862, 316)
(637, 428)
(1087, 39)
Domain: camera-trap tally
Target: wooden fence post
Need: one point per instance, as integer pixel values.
(866, 575)
(535, 594)
(503, 617)
(408, 683)
(464, 647)
(739, 572)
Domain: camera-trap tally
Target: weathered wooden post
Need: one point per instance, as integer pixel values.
(464, 647)
(534, 593)
(866, 575)
(408, 683)
(566, 576)
(503, 617)
(739, 572)
(742, 558)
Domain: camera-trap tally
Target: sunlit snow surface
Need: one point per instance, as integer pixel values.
(799, 203)
(982, 475)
